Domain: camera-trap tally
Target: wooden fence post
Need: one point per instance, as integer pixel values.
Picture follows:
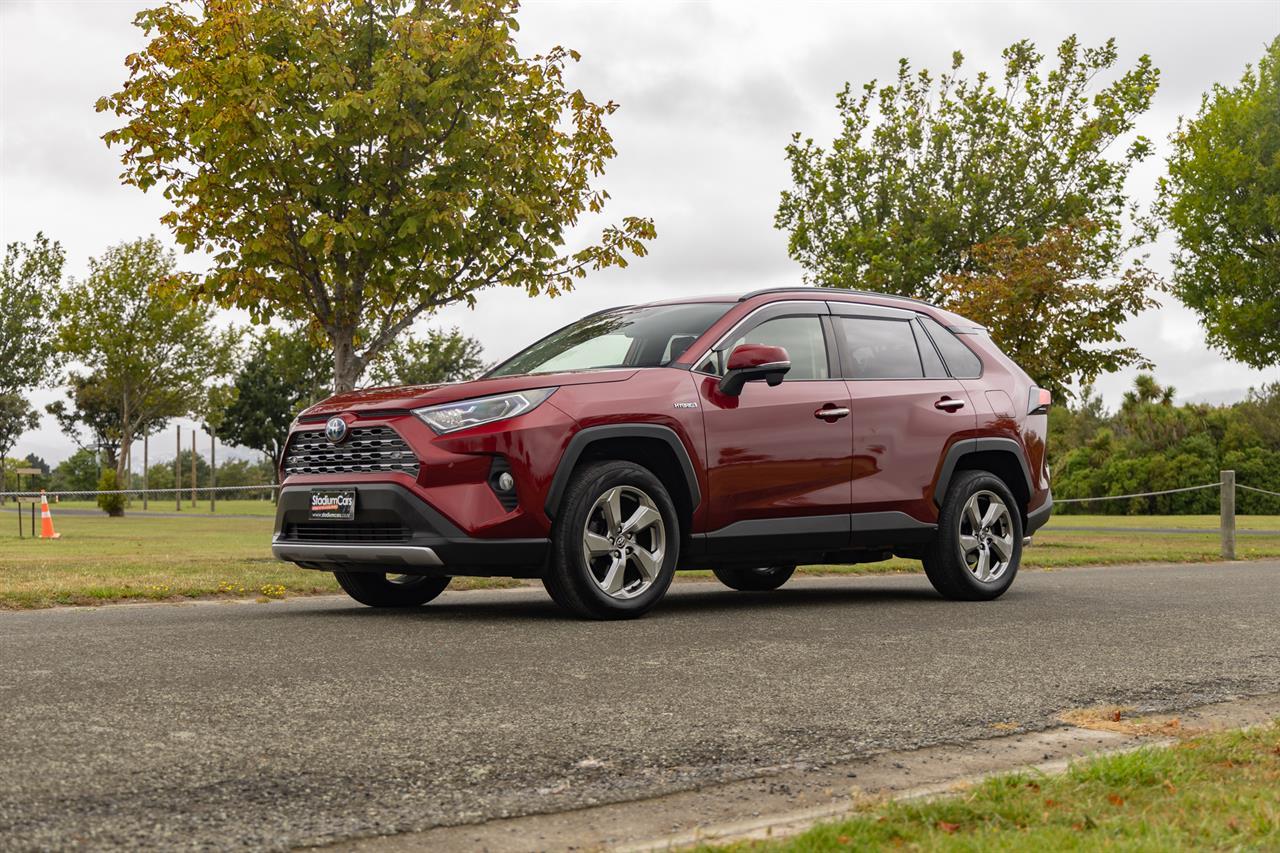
(1228, 503)
(193, 467)
(213, 471)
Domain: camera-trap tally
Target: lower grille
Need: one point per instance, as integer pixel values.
(346, 532)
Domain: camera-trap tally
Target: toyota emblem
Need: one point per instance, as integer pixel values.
(335, 430)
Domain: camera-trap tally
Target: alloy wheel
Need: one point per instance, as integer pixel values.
(624, 542)
(986, 536)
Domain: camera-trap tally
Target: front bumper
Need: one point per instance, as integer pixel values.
(394, 530)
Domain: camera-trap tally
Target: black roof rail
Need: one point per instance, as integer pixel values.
(814, 288)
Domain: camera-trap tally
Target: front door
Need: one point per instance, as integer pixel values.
(778, 467)
(905, 411)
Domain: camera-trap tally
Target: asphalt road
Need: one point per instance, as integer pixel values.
(312, 720)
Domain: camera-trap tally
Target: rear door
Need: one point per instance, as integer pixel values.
(906, 411)
(778, 469)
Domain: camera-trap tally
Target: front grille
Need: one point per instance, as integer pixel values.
(346, 532)
(367, 450)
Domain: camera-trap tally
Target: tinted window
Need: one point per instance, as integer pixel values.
(960, 360)
(801, 337)
(625, 337)
(880, 349)
(933, 366)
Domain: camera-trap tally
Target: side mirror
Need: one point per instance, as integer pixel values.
(752, 362)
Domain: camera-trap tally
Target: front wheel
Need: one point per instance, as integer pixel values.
(616, 542)
(976, 553)
(763, 579)
(382, 590)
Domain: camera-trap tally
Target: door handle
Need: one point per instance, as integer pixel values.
(949, 405)
(831, 414)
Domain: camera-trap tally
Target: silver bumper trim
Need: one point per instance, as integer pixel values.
(337, 552)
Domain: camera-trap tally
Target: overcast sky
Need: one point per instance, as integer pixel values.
(710, 94)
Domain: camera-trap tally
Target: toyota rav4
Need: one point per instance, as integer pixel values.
(742, 435)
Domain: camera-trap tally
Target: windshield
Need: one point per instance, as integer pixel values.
(624, 337)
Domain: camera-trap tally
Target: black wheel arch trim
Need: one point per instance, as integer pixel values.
(968, 446)
(589, 435)
(1037, 518)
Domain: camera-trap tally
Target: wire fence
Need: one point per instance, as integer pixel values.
(1216, 485)
(93, 494)
(1226, 485)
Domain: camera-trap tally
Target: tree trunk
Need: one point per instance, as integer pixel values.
(346, 366)
(122, 471)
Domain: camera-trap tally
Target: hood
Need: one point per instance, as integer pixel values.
(415, 396)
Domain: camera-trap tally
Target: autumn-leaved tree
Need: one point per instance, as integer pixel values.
(357, 164)
(1221, 198)
(1044, 310)
(935, 187)
(151, 352)
(924, 169)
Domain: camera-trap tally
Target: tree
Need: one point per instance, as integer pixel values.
(16, 417)
(79, 472)
(285, 372)
(439, 357)
(95, 406)
(29, 277)
(1221, 198)
(152, 353)
(357, 164)
(924, 171)
(1044, 311)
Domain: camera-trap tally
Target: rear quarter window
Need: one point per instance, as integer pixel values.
(961, 361)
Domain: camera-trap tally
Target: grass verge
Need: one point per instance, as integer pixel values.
(150, 557)
(1206, 792)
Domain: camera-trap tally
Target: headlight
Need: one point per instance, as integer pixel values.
(484, 410)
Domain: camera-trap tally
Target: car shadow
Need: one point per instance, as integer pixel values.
(682, 600)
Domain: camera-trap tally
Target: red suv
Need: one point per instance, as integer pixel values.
(742, 435)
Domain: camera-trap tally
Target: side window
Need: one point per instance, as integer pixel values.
(933, 366)
(880, 349)
(801, 337)
(960, 360)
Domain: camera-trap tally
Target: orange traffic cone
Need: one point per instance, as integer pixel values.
(46, 520)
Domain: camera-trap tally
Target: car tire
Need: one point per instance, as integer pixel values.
(764, 579)
(615, 543)
(978, 547)
(390, 590)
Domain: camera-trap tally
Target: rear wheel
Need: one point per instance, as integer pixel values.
(976, 553)
(390, 590)
(615, 544)
(755, 580)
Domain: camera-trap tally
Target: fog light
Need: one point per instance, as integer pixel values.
(506, 482)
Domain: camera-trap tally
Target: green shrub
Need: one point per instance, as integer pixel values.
(112, 505)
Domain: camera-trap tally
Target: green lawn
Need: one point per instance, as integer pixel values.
(1213, 792)
(144, 556)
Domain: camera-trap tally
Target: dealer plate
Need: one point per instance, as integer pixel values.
(333, 504)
